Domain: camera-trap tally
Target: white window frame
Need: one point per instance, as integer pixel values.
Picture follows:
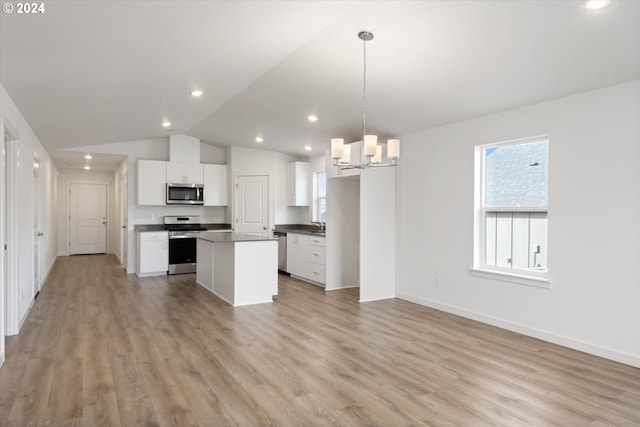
(316, 195)
(480, 268)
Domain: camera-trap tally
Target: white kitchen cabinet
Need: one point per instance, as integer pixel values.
(216, 187)
(184, 173)
(153, 253)
(306, 257)
(151, 182)
(316, 259)
(298, 178)
(297, 254)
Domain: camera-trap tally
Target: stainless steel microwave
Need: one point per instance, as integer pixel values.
(185, 194)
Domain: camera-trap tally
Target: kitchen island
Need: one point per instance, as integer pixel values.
(240, 268)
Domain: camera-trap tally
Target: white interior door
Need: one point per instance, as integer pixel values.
(11, 275)
(124, 226)
(252, 213)
(87, 218)
(3, 250)
(36, 226)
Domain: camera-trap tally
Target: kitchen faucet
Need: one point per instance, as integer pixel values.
(320, 225)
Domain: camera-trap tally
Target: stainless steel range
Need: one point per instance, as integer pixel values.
(182, 246)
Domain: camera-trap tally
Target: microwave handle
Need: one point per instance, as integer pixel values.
(200, 194)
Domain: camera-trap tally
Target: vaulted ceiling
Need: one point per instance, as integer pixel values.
(95, 72)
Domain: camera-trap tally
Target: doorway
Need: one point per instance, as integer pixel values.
(9, 301)
(87, 218)
(124, 226)
(36, 226)
(252, 199)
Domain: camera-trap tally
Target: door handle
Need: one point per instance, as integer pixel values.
(264, 228)
(40, 234)
(104, 222)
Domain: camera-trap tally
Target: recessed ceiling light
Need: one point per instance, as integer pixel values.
(259, 139)
(166, 123)
(312, 118)
(88, 156)
(308, 147)
(197, 93)
(596, 4)
(87, 167)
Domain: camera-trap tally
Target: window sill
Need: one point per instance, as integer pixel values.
(522, 279)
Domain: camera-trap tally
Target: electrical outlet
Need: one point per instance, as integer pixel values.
(436, 283)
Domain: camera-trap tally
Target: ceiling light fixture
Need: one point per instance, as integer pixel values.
(596, 4)
(87, 167)
(259, 139)
(308, 147)
(197, 93)
(370, 151)
(88, 156)
(312, 118)
(166, 123)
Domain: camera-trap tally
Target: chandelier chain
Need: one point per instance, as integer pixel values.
(364, 89)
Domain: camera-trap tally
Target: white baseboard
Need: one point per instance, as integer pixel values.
(342, 287)
(25, 315)
(596, 350)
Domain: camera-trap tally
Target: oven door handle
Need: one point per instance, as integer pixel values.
(181, 237)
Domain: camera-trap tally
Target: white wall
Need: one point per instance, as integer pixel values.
(594, 207)
(20, 292)
(248, 161)
(343, 233)
(377, 234)
(67, 176)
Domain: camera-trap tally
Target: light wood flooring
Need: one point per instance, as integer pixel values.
(103, 348)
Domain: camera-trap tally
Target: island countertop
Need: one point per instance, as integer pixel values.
(225, 237)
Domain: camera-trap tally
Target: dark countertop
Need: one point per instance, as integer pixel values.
(160, 227)
(299, 229)
(217, 237)
(149, 227)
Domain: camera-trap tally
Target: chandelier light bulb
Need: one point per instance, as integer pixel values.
(393, 149)
(337, 148)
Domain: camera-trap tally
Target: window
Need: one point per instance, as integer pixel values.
(511, 229)
(320, 196)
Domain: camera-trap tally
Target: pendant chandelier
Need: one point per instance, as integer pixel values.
(371, 152)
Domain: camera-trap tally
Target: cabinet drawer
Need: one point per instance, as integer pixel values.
(317, 241)
(145, 236)
(317, 254)
(316, 272)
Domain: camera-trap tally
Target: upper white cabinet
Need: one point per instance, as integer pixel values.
(151, 182)
(216, 187)
(184, 173)
(298, 176)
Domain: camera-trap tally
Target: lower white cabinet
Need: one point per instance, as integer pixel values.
(306, 257)
(296, 254)
(315, 259)
(153, 253)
